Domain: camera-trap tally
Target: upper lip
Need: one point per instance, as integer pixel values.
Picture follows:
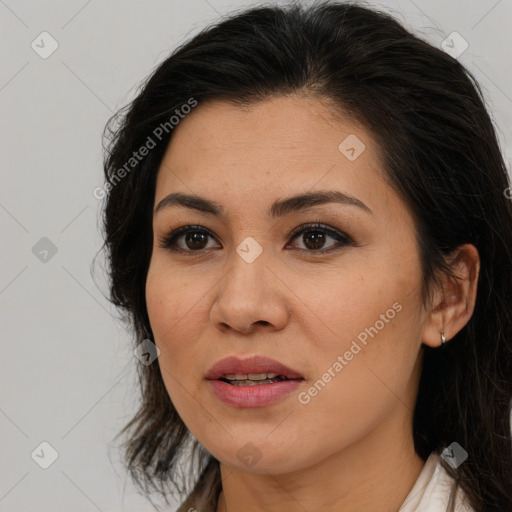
(254, 364)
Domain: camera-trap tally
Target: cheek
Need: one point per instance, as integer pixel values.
(170, 310)
(368, 372)
(174, 304)
(165, 311)
(168, 299)
(371, 320)
(359, 298)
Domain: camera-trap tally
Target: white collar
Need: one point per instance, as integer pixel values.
(431, 491)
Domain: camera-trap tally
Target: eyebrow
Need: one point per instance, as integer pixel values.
(279, 208)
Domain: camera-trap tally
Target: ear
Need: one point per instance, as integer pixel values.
(453, 301)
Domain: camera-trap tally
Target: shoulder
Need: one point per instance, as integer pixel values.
(190, 505)
(194, 503)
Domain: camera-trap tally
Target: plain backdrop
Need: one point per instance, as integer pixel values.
(68, 370)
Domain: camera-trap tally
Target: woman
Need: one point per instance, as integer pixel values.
(306, 212)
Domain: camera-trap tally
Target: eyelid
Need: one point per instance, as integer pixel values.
(336, 233)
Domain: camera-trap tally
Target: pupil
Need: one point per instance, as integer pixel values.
(318, 237)
(195, 238)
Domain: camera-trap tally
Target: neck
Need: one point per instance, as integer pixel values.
(374, 475)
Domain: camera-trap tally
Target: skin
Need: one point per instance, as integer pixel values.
(351, 447)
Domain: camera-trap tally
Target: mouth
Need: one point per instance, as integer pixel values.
(253, 371)
(253, 379)
(253, 382)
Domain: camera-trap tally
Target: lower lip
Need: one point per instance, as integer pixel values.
(253, 396)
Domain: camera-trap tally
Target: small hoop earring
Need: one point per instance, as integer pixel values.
(443, 339)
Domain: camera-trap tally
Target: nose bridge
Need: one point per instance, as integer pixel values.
(247, 268)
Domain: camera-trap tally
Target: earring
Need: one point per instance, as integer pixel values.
(443, 339)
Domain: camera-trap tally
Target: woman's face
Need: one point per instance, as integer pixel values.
(341, 307)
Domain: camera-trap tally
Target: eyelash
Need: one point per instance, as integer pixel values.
(169, 241)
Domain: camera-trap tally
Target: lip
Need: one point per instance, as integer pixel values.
(253, 364)
(259, 395)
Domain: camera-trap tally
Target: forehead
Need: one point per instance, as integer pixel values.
(304, 127)
(269, 148)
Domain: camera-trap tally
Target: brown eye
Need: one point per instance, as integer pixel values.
(314, 237)
(194, 239)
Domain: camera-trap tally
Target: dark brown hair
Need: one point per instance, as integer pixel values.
(440, 153)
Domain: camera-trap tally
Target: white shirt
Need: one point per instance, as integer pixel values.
(431, 491)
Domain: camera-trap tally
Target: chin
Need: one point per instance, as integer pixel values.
(263, 456)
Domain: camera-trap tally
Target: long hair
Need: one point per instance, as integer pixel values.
(440, 153)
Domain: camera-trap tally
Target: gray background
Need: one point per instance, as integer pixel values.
(68, 371)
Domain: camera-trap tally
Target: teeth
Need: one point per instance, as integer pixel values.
(251, 376)
(250, 382)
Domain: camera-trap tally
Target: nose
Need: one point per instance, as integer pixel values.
(251, 296)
